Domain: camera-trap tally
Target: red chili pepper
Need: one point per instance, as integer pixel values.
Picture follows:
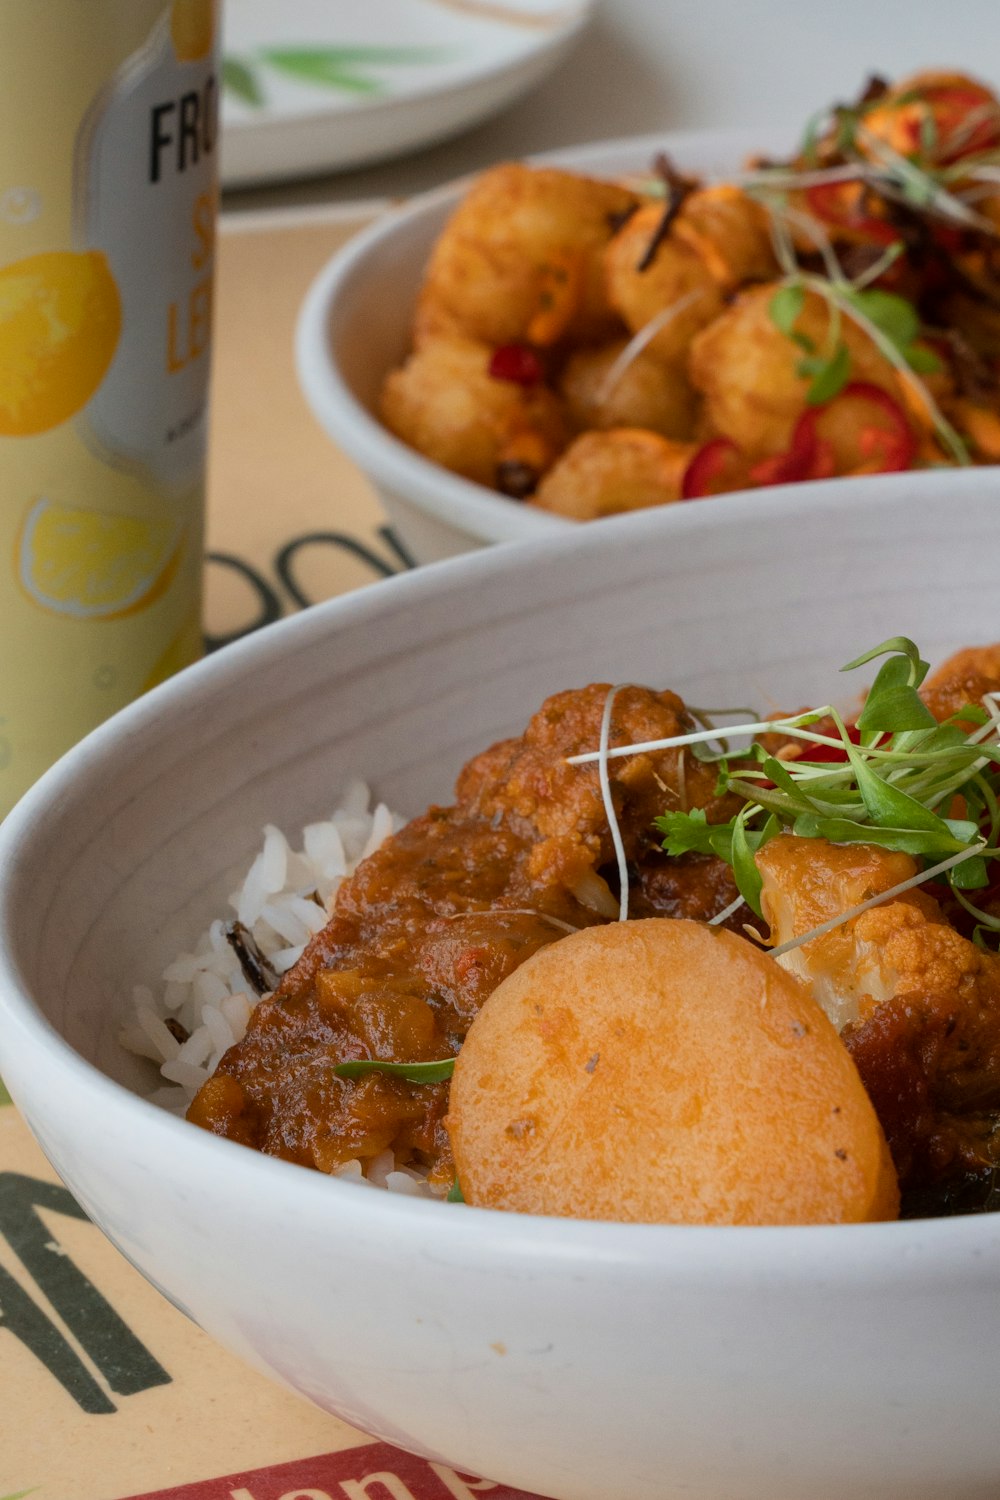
(717, 468)
(951, 105)
(832, 754)
(808, 457)
(866, 416)
(517, 363)
(838, 204)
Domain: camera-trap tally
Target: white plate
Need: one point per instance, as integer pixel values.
(319, 85)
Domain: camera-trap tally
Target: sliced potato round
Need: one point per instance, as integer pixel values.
(664, 1072)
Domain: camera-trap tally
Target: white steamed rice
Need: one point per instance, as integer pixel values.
(286, 897)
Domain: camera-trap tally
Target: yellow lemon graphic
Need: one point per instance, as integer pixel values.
(94, 566)
(192, 28)
(60, 319)
(186, 647)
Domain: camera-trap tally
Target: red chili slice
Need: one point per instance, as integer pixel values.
(832, 754)
(837, 204)
(951, 107)
(517, 363)
(808, 457)
(718, 467)
(865, 430)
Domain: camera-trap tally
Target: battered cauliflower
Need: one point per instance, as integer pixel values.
(645, 393)
(445, 403)
(520, 258)
(747, 369)
(962, 679)
(918, 1003)
(606, 473)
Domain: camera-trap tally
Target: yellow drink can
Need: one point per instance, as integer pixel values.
(108, 152)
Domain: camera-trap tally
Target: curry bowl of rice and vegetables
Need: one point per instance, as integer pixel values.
(546, 1008)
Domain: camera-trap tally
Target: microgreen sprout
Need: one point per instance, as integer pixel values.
(438, 1071)
(609, 802)
(638, 342)
(896, 778)
(892, 324)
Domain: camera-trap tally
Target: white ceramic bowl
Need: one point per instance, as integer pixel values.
(578, 1360)
(356, 325)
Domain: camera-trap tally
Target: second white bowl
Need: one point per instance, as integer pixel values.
(356, 325)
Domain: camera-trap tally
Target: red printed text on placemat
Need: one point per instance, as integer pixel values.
(375, 1471)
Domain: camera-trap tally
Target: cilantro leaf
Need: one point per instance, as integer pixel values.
(691, 833)
(785, 306)
(891, 314)
(420, 1072)
(829, 376)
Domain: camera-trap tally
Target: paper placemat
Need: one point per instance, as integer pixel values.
(108, 1392)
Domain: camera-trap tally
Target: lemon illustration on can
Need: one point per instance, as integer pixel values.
(192, 28)
(93, 565)
(60, 321)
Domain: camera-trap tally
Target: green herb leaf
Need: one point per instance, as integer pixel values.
(455, 1194)
(928, 133)
(889, 807)
(812, 135)
(847, 126)
(899, 645)
(336, 67)
(903, 840)
(691, 833)
(891, 314)
(241, 80)
(785, 306)
(425, 1072)
(893, 703)
(921, 360)
(829, 378)
(970, 875)
(748, 878)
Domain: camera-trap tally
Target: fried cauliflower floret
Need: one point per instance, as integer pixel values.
(929, 1052)
(520, 258)
(445, 403)
(921, 1002)
(676, 277)
(606, 473)
(962, 679)
(746, 369)
(806, 883)
(730, 232)
(529, 782)
(646, 393)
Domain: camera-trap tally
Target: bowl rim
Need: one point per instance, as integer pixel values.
(450, 497)
(894, 1250)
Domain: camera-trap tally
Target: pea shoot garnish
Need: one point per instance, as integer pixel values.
(895, 778)
(438, 1071)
